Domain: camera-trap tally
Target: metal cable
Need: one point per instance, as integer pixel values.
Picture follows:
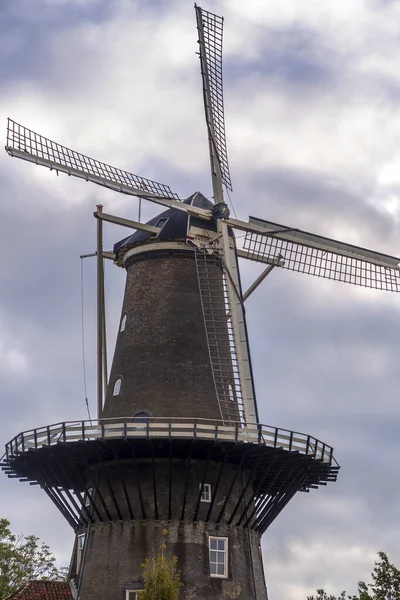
(231, 202)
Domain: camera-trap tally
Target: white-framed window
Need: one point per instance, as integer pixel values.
(123, 323)
(218, 547)
(87, 499)
(205, 493)
(132, 594)
(117, 387)
(79, 550)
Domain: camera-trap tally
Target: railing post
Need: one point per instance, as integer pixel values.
(35, 438)
(236, 432)
(102, 429)
(290, 441)
(48, 436)
(83, 430)
(195, 429)
(308, 444)
(23, 443)
(276, 437)
(125, 433)
(316, 449)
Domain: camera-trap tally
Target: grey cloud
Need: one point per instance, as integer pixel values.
(295, 57)
(28, 32)
(319, 202)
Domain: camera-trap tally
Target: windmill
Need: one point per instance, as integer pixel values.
(178, 444)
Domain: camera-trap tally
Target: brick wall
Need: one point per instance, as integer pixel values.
(116, 550)
(162, 355)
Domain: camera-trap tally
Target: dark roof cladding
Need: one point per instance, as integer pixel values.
(175, 226)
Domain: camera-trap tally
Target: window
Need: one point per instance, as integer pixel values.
(87, 499)
(141, 417)
(123, 323)
(218, 547)
(132, 594)
(79, 550)
(161, 222)
(206, 493)
(117, 387)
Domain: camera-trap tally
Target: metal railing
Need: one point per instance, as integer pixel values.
(168, 428)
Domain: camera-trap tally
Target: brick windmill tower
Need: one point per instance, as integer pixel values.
(178, 445)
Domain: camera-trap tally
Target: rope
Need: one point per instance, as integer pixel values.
(231, 202)
(83, 345)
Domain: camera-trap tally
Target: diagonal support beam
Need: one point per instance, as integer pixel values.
(257, 282)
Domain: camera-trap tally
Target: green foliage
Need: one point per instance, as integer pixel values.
(321, 595)
(385, 584)
(22, 559)
(161, 578)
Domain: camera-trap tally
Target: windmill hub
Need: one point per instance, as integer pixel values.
(221, 211)
(175, 226)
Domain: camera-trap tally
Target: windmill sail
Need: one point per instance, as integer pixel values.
(320, 256)
(33, 147)
(231, 369)
(210, 29)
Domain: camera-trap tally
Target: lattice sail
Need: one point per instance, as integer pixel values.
(210, 28)
(316, 255)
(33, 147)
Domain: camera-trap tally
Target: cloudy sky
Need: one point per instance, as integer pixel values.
(312, 95)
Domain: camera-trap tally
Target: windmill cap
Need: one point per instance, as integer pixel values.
(174, 225)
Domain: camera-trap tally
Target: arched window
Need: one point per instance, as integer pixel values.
(117, 386)
(141, 417)
(123, 323)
